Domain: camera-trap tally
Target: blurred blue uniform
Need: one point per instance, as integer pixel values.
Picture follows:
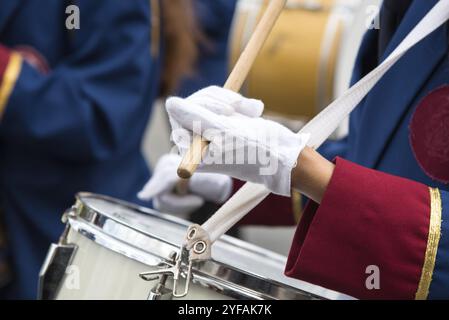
(215, 18)
(379, 128)
(79, 127)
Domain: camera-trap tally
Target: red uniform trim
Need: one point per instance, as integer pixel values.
(366, 218)
(34, 58)
(4, 60)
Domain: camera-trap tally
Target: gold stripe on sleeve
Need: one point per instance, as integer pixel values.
(9, 79)
(432, 245)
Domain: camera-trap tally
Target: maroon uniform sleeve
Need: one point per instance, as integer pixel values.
(275, 210)
(367, 219)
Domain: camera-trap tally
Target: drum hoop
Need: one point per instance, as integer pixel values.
(213, 273)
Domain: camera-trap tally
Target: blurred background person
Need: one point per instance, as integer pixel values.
(74, 106)
(210, 68)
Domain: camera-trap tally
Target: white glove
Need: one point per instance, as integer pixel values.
(202, 187)
(243, 145)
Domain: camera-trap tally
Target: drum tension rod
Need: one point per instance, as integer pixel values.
(175, 271)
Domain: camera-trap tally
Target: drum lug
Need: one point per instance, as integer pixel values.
(58, 258)
(69, 213)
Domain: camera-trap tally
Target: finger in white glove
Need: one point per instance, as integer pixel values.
(226, 102)
(242, 145)
(181, 206)
(202, 187)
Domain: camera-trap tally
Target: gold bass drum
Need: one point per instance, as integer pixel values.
(295, 72)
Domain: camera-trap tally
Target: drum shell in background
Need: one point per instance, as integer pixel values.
(295, 72)
(107, 243)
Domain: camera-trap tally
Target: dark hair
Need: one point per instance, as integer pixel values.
(182, 38)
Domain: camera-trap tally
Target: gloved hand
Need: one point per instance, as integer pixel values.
(242, 144)
(202, 187)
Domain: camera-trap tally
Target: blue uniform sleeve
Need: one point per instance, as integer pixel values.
(96, 101)
(334, 148)
(215, 15)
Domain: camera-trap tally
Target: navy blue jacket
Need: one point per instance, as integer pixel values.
(215, 18)
(379, 127)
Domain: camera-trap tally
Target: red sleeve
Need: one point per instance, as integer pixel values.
(366, 218)
(275, 210)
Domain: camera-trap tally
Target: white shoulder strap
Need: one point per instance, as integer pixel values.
(322, 126)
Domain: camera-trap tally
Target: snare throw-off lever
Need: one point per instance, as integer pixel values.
(197, 247)
(182, 267)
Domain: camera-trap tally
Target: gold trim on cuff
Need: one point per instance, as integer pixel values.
(9, 79)
(432, 245)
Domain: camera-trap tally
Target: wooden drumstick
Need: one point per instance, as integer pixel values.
(182, 187)
(198, 148)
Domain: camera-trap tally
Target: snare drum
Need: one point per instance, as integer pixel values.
(294, 73)
(108, 243)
